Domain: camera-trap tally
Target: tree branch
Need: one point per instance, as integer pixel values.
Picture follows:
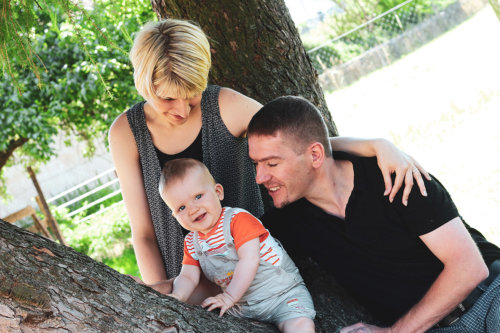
(13, 145)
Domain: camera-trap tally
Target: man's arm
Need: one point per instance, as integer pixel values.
(244, 273)
(463, 270)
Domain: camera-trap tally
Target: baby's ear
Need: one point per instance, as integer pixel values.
(220, 191)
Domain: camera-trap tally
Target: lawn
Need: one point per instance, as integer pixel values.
(441, 104)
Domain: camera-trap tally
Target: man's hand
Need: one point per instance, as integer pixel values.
(223, 301)
(364, 328)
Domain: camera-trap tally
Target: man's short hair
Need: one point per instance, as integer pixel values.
(177, 169)
(294, 117)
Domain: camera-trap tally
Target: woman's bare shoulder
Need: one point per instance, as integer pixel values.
(236, 110)
(120, 134)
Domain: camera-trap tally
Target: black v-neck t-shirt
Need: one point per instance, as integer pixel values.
(375, 253)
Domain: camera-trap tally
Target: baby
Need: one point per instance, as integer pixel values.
(233, 249)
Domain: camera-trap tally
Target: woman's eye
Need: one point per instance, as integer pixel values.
(181, 208)
(198, 196)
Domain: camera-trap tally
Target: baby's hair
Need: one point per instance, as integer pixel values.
(177, 169)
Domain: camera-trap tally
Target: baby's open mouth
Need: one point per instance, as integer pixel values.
(200, 217)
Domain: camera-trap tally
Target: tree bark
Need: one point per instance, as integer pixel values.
(45, 286)
(7, 153)
(255, 46)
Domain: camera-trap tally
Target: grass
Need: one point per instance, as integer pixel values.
(440, 104)
(105, 237)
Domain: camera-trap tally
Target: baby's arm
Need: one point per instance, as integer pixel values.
(186, 282)
(244, 273)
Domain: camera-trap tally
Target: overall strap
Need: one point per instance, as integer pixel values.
(226, 225)
(196, 244)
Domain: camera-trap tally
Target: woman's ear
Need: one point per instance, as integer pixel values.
(220, 191)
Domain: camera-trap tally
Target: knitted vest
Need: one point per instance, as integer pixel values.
(225, 156)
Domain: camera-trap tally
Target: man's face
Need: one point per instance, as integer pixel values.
(285, 174)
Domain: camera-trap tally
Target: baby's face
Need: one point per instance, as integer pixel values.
(195, 201)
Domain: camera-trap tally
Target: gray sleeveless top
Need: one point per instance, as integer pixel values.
(225, 156)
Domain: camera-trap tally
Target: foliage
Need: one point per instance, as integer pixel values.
(105, 237)
(72, 98)
(355, 13)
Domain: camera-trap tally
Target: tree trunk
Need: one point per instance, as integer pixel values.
(255, 46)
(45, 286)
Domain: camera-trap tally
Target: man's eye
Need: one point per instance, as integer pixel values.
(181, 208)
(272, 165)
(198, 196)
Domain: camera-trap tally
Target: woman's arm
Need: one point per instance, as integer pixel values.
(244, 273)
(126, 159)
(390, 160)
(237, 110)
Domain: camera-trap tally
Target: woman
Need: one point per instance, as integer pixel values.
(183, 117)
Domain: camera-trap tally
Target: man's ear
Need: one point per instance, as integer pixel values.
(317, 153)
(220, 191)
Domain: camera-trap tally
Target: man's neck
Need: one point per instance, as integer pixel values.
(333, 186)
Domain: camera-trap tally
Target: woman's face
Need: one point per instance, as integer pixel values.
(175, 110)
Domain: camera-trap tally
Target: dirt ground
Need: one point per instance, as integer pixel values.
(440, 104)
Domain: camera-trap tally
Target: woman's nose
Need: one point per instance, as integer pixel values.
(182, 107)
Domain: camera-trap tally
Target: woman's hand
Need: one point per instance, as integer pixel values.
(392, 160)
(163, 287)
(223, 301)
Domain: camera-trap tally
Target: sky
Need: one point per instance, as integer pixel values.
(303, 10)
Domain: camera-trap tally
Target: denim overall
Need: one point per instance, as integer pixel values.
(270, 281)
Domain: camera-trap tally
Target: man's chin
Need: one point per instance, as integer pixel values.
(280, 204)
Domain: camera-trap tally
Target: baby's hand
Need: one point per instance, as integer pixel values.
(223, 301)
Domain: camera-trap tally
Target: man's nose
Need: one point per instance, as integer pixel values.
(261, 175)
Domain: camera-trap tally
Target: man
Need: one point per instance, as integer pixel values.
(413, 267)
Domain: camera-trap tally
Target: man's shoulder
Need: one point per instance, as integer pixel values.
(366, 170)
(367, 162)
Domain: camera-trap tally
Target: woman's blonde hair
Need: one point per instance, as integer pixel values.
(171, 58)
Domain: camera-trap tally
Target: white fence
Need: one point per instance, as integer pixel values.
(76, 199)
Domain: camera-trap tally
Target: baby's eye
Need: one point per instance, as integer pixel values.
(181, 208)
(198, 196)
